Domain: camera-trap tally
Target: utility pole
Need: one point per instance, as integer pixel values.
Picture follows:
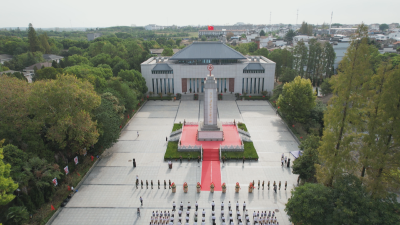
(330, 25)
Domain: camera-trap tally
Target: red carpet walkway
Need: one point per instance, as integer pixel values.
(211, 170)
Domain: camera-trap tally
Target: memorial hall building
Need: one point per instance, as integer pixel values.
(185, 71)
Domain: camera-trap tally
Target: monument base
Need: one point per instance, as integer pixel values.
(210, 132)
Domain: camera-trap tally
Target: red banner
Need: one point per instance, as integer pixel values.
(210, 28)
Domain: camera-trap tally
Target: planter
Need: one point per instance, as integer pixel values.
(198, 189)
(185, 189)
(237, 189)
(173, 189)
(223, 190)
(212, 190)
(250, 190)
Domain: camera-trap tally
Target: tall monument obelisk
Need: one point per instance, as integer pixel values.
(210, 129)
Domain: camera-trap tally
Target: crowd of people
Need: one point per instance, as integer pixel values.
(227, 217)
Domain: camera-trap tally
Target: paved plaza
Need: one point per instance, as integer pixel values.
(109, 196)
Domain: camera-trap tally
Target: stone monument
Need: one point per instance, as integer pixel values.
(210, 129)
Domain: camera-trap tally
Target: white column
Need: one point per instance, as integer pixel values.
(255, 89)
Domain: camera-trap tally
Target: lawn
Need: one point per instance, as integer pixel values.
(242, 126)
(172, 148)
(177, 126)
(249, 152)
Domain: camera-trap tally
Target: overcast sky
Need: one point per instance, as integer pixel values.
(85, 13)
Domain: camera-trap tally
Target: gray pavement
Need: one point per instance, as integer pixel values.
(109, 195)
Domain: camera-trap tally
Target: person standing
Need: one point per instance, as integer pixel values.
(166, 139)
(275, 188)
(222, 206)
(181, 206)
(141, 200)
(223, 159)
(137, 133)
(180, 159)
(147, 184)
(151, 183)
(244, 206)
(258, 184)
(137, 183)
(141, 183)
(288, 163)
(173, 206)
(138, 212)
(263, 185)
(268, 185)
(197, 206)
(282, 162)
(169, 182)
(158, 184)
(237, 206)
(229, 205)
(285, 185)
(279, 185)
(189, 206)
(243, 159)
(285, 159)
(212, 205)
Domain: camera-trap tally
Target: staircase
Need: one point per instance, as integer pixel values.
(211, 155)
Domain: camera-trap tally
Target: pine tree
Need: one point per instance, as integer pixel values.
(342, 117)
(330, 57)
(44, 43)
(33, 39)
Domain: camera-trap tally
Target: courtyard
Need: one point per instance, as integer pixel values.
(109, 196)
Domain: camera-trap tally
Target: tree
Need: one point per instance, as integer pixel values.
(383, 27)
(262, 51)
(306, 29)
(310, 204)
(289, 36)
(167, 52)
(122, 65)
(342, 117)
(262, 33)
(101, 58)
(288, 75)
(43, 39)
(326, 87)
(296, 100)
(64, 105)
(40, 173)
(300, 55)
(304, 166)
(329, 57)
(108, 115)
(17, 215)
(203, 38)
(178, 42)
(7, 185)
(79, 60)
(34, 44)
(47, 73)
(229, 35)
(134, 79)
(283, 58)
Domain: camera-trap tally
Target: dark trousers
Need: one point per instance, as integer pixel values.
(141, 202)
(212, 208)
(173, 208)
(197, 207)
(244, 208)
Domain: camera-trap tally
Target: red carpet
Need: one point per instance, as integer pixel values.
(211, 171)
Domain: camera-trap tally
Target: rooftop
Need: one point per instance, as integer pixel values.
(207, 50)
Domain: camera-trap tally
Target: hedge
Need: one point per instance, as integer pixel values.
(255, 98)
(242, 126)
(249, 153)
(172, 152)
(161, 98)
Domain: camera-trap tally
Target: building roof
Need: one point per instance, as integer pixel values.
(162, 67)
(207, 50)
(160, 50)
(52, 57)
(254, 66)
(38, 65)
(5, 56)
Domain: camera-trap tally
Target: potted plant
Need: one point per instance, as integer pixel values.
(198, 187)
(237, 187)
(185, 187)
(173, 186)
(190, 90)
(251, 187)
(212, 186)
(223, 188)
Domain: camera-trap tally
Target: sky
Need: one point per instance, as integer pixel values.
(85, 13)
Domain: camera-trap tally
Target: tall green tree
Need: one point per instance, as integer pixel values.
(262, 33)
(330, 57)
(342, 117)
(64, 105)
(300, 56)
(289, 36)
(34, 44)
(7, 185)
(383, 27)
(44, 42)
(167, 52)
(304, 166)
(296, 100)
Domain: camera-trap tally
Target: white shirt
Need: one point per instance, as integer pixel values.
(244, 204)
(204, 212)
(196, 204)
(222, 204)
(213, 204)
(237, 204)
(229, 204)
(173, 204)
(181, 204)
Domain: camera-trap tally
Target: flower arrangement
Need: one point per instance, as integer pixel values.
(237, 185)
(249, 96)
(223, 186)
(263, 96)
(212, 185)
(185, 185)
(251, 185)
(173, 185)
(198, 185)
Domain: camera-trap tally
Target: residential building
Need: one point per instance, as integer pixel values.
(51, 57)
(92, 36)
(31, 69)
(5, 58)
(186, 70)
(393, 25)
(374, 26)
(220, 33)
(153, 27)
(304, 38)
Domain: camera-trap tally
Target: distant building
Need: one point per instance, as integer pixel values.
(304, 38)
(153, 27)
(186, 70)
(31, 69)
(5, 58)
(393, 25)
(51, 57)
(92, 36)
(220, 33)
(374, 26)
(159, 51)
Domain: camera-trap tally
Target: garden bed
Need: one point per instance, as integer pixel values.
(265, 98)
(172, 152)
(161, 98)
(242, 126)
(249, 153)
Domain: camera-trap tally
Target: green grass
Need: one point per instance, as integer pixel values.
(161, 98)
(177, 126)
(242, 126)
(172, 152)
(249, 152)
(255, 98)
